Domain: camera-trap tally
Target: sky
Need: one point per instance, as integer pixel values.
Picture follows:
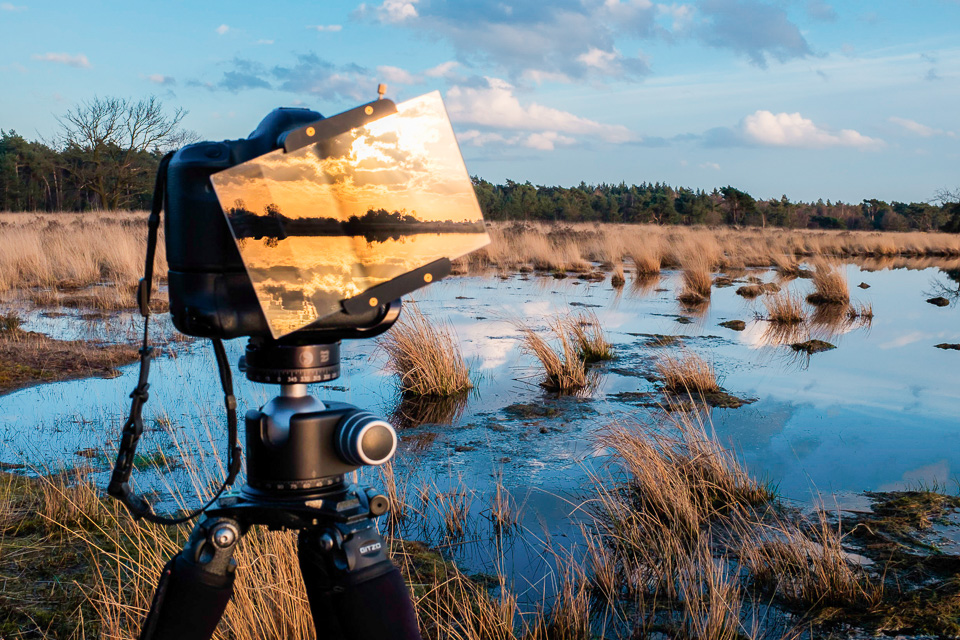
(804, 98)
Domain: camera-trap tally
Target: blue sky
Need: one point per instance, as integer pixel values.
(808, 98)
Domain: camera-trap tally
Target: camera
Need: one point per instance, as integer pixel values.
(211, 295)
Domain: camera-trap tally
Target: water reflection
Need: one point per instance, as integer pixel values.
(414, 411)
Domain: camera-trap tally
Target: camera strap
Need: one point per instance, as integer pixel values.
(119, 486)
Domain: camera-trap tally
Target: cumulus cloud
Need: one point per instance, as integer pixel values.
(446, 70)
(753, 29)
(326, 27)
(793, 130)
(567, 39)
(222, 29)
(922, 130)
(79, 60)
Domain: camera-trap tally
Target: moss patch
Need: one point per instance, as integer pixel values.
(735, 325)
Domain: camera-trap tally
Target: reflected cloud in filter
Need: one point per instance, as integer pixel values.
(329, 221)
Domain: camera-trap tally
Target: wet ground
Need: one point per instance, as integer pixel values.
(878, 413)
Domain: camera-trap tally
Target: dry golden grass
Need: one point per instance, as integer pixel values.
(617, 280)
(697, 280)
(71, 251)
(687, 374)
(830, 285)
(565, 369)
(426, 356)
(587, 334)
(785, 308)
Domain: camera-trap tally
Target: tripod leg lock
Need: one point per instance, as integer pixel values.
(196, 584)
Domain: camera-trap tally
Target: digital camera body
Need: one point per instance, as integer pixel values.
(211, 295)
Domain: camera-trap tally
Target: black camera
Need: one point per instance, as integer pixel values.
(211, 295)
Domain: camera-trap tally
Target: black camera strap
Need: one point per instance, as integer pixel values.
(119, 486)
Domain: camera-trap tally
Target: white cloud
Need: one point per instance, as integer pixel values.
(79, 60)
(793, 130)
(443, 70)
(682, 15)
(222, 29)
(495, 107)
(326, 27)
(396, 74)
(603, 61)
(264, 42)
(159, 78)
(546, 140)
(710, 165)
(397, 10)
(6, 6)
(921, 130)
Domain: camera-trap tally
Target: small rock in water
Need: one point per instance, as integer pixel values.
(812, 346)
(684, 320)
(736, 325)
(947, 345)
(939, 301)
(863, 285)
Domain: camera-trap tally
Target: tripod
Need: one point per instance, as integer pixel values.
(299, 452)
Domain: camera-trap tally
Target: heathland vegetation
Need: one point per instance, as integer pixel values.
(107, 151)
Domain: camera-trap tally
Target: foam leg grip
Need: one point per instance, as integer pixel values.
(374, 603)
(188, 603)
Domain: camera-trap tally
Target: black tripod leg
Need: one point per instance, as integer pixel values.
(355, 591)
(196, 584)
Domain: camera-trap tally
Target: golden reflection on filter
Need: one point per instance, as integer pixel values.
(327, 222)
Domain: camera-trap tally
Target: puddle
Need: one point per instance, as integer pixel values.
(877, 413)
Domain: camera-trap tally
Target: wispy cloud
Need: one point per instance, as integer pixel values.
(6, 6)
(922, 130)
(325, 27)
(499, 117)
(263, 42)
(162, 80)
(79, 60)
(222, 29)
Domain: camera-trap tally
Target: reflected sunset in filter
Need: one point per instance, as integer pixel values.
(327, 222)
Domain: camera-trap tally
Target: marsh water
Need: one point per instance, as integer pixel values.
(879, 412)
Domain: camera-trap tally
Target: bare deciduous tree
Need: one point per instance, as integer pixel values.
(109, 137)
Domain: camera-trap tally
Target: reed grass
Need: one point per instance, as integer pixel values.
(830, 286)
(785, 308)
(564, 368)
(697, 280)
(687, 374)
(617, 280)
(587, 334)
(425, 356)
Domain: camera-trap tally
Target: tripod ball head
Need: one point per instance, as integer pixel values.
(364, 439)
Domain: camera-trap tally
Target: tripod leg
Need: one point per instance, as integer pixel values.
(355, 591)
(195, 585)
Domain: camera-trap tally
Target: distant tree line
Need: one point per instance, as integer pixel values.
(663, 204)
(108, 149)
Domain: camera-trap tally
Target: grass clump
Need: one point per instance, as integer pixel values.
(688, 374)
(830, 286)
(565, 369)
(587, 334)
(785, 308)
(697, 281)
(426, 357)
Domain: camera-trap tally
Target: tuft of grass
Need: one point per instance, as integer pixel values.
(687, 374)
(646, 257)
(785, 309)
(587, 334)
(830, 286)
(565, 369)
(11, 326)
(697, 281)
(425, 356)
(617, 280)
